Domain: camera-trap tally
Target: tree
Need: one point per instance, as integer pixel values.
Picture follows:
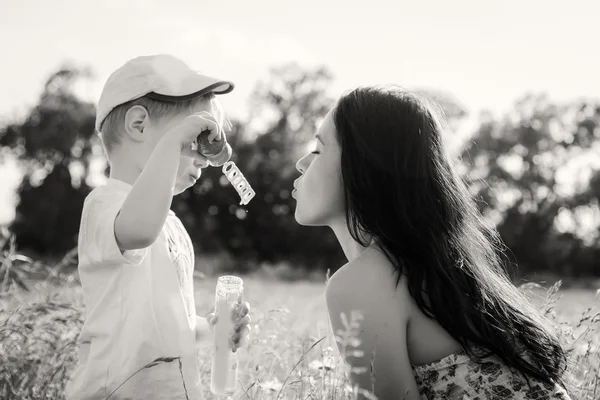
(514, 164)
(55, 145)
(511, 166)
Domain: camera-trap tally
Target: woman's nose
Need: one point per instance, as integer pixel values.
(301, 165)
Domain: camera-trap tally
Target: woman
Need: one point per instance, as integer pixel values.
(440, 315)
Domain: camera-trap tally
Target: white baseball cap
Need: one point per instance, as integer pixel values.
(161, 77)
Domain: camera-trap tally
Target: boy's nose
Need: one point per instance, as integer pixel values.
(200, 162)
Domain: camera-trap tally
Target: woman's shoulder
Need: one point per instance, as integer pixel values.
(371, 267)
(370, 280)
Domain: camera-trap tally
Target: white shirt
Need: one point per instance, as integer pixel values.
(139, 306)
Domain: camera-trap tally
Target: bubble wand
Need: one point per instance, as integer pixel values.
(218, 154)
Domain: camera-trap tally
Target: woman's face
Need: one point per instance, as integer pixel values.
(318, 191)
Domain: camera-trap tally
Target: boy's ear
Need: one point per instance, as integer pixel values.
(136, 120)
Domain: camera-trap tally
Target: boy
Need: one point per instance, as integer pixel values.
(136, 259)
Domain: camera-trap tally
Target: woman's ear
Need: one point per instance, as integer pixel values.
(136, 119)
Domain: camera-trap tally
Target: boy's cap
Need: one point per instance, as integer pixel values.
(161, 77)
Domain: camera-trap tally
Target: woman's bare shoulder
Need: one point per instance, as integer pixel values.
(370, 279)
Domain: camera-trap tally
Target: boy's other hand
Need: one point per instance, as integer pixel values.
(241, 324)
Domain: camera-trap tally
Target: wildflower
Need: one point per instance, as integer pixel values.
(271, 385)
(327, 364)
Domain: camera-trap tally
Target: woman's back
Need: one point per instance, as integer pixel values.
(371, 273)
(441, 368)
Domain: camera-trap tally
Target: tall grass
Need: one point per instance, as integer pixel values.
(38, 334)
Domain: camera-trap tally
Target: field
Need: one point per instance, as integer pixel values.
(38, 331)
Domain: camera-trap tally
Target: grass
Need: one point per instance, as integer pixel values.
(291, 354)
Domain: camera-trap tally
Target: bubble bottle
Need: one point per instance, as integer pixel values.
(224, 370)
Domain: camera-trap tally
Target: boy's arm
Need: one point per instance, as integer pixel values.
(147, 205)
(145, 210)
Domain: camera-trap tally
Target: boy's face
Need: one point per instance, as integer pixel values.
(189, 170)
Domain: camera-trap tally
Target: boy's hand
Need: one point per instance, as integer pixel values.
(186, 132)
(241, 324)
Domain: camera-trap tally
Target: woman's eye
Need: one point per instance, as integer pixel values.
(315, 152)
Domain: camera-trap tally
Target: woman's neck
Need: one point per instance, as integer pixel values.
(351, 247)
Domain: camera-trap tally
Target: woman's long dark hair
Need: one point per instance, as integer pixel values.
(401, 188)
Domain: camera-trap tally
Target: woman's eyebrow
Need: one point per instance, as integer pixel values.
(319, 138)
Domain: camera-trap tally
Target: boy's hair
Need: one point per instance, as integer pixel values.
(111, 129)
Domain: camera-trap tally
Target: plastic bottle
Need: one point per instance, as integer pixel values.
(224, 370)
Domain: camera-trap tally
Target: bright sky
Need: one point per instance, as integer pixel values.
(485, 53)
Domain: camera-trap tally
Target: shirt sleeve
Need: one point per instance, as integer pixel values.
(102, 210)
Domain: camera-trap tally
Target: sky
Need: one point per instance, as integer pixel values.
(486, 54)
